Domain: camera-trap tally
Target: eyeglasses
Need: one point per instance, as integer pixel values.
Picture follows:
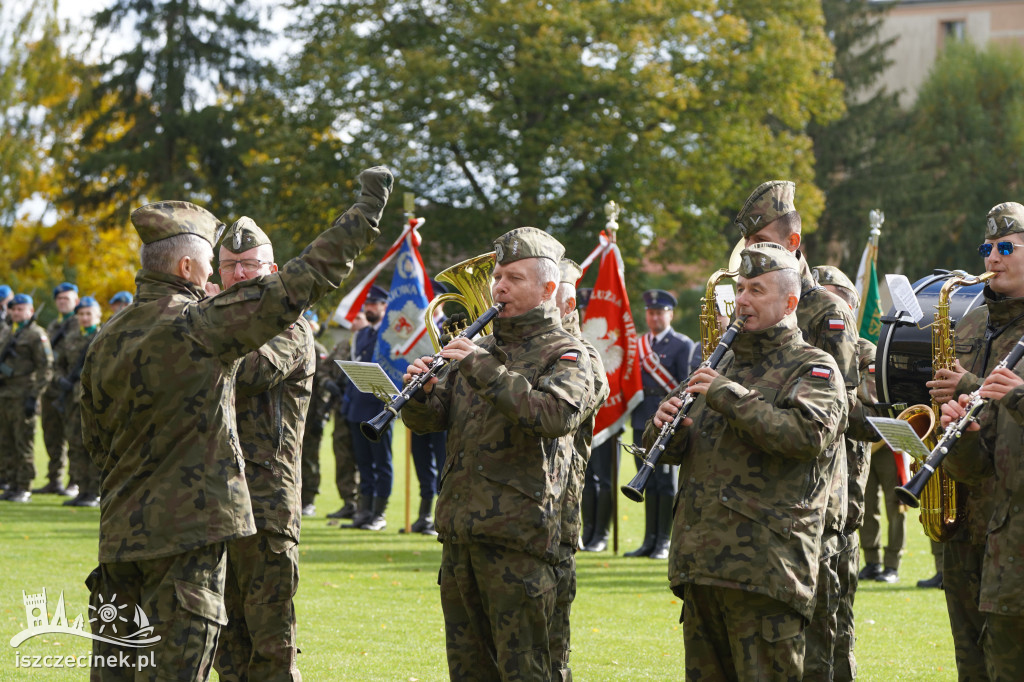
(249, 265)
(1004, 249)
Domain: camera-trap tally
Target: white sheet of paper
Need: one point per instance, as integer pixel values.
(369, 377)
(900, 435)
(725, 298)
(903, 298)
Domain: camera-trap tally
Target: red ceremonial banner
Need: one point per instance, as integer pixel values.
(609, 328)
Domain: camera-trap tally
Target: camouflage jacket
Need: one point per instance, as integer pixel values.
(995, 450)
(60, 332)
(983, 337)
(507, 409)
(756, 469)
(273, 386)
(29, 364)
(158, 397)
(69, 365)
(827, 323)
(582, 438)
(859, 436)
(319, 399)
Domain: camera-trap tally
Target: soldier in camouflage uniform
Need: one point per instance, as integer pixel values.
(770, 215)
(757, 454)
(273, 386)
(69, 365)
(26, 365)
(65, 296)
(565, 299)
(316, 418)
(981, 576)
(6, 294)
(859, 436)
(509, 402)
(158, 417)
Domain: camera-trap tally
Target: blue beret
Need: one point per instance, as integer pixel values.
(659, 298)
(64, 286)
(311, 316)
(377, 295)
(121, 297)
(20, 299)
(87, 302)
(5, 291)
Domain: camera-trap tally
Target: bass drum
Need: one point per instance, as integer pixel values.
(903, 359)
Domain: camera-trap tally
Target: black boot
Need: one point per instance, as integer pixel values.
(599, 538)
(650, 526)
(425, 523)
(377, 520)
(588, 506)
(347, 511)
(663, 528)
(363, 512)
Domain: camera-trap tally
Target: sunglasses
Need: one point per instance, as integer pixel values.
(1004, 249)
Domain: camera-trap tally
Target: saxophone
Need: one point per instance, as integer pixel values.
(941, 498)
(710, 332)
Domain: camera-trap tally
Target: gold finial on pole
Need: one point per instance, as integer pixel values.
(611, 212)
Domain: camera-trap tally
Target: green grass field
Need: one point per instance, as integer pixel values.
(368, 606)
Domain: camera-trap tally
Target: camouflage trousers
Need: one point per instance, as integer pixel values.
(822, 630)
(82, 470)
(736, 635)
(1004, 656)
(17, 434)
(181, 595)
(565, 593)
(311, 439)
(497, 604)
(961, 581)
(53, 424)
(881, 491)
(346, 476)
(844, 662)
(258, 642)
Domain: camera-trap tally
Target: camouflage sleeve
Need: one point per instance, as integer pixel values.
(42, 359)
(268, 366)
(969, 383)
(427, 413)
(842, 345)
(971, 460)
(249, 314)
(811, 414)
(551, 409)
(92, 434)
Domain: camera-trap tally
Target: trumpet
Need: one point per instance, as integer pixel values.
(375, 428)
(634, 490)
(910, 493)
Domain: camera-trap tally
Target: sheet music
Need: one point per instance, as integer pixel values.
(900, 435)
(369, 377)
(903, 297)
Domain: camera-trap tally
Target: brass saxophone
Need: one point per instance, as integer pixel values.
(710, 332)
(942, 498)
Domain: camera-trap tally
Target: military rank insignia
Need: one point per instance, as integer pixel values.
(821, 372)
(836, 325)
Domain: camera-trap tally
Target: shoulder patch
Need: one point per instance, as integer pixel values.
(821, 372)
(571, 356)
(836, 325)
(871, 368)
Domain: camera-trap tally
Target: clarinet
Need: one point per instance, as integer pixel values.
(374, 428)
(634, 490)
(910, 493)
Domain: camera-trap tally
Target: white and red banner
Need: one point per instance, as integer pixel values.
(609, 328)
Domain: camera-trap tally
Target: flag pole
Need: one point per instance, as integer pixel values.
(875, 218)
(409, 200)
(611, 212)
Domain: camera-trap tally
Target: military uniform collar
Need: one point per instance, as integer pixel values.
(571, 323)
(1002, 310)
(521, 327)
(750, 347)
(152, 284)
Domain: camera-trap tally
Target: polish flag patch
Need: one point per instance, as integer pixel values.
(821, 372)
(871, 368)
(836, 325)
(572, 356)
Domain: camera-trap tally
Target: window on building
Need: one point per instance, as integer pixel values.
(953, 30)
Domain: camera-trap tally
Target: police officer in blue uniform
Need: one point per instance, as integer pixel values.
(373, 460)
(666, 357)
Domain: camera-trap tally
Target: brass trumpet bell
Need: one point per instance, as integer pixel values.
(472, 279)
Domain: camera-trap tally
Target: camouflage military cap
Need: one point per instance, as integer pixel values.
(243, 235)
(165, 219)
(1005, 219)
(766, 204)
(527, 242)
(830, 274)
(764, 257)
(569, 272)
